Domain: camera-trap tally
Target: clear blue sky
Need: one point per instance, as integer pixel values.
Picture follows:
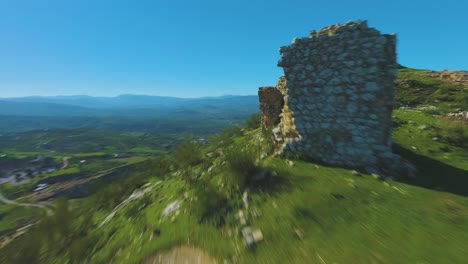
(198, 48)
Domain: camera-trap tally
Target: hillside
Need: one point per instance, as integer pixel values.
(130, 113)
(235, 201)
(415, 88)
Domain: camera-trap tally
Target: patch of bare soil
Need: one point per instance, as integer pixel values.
(65, 162)
(182, 255)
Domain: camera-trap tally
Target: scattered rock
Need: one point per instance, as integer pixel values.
(240, 214)
(257, 235)
(172, 207)
(355, 173)
(423, 127)
(463, 115)
(242, 221)
(290, 163)
(251, 236)
(377, 176)
(435, 139)
(456, 77)
(299, 233)
(245, 199)
(263, 156)
(337, 196)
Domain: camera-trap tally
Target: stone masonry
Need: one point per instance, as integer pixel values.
(271, 104)
(338, 90)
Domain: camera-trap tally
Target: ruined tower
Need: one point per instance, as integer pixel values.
(338, 91)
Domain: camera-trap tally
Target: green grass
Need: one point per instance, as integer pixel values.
(90, 155)
(13, 217)
(343, 218)
(370, 221)
(414, 90)
(60, 172)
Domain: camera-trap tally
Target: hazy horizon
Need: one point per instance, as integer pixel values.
(121, 95)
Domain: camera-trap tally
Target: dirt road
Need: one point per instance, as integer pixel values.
(8, 201)
(181, 254)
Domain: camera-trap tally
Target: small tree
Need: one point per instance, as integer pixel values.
(242, 166)
(188, 152)
(254, 121)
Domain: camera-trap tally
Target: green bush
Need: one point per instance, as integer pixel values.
(226, 137)
(211, 206)
(188, 152)
(242, 166)
(254, 121)
(455, 133)
(268, 146)
(233, 131)
(161, 165)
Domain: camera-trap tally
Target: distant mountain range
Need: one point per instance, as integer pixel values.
(123, 105)
(126, 113)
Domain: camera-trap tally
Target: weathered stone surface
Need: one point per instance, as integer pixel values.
(338, 89)
(271, 104)
(457, 77)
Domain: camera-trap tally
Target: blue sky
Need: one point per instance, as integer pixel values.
(198, 48)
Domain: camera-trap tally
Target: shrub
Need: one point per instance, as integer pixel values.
(455, 132)
(268, 143)
(233, 131)
(211, 205)
(242, 166)
(161, 165)
(254, 121)
(188, 152)
(225, 138)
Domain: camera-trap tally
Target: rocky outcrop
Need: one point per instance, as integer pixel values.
(286, 130)
(455, 77)
(462, 115)
(338, 89)
(271, 104)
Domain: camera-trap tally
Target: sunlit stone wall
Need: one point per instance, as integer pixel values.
(338, 89)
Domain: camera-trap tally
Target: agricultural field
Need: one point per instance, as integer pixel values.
(39, 166)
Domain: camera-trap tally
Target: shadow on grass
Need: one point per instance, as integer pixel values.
(278, 181)
(433, 174)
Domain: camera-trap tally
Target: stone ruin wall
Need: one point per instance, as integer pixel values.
(338, 90)
(270, 106)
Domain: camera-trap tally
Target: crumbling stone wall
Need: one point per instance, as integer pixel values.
(271, 104)
(286, 130)
(338, 91)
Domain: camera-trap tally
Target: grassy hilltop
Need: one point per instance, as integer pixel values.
(307, 212)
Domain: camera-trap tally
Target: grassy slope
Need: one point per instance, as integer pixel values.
(371, 221)
(423, 90)
(344, 218)
(70, 143)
